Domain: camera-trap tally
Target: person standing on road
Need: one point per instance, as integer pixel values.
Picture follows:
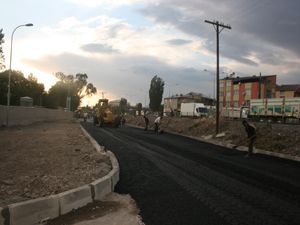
(157, 122)
(251, 132)
(146, 122)
(85, 116)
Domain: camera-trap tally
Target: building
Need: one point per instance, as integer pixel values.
(288, 91)
(237, 91)
(173, 103)
(115, 103)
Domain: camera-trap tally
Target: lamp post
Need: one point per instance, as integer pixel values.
(9, 72)
(214, 82)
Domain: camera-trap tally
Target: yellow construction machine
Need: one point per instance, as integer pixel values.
(104, 115)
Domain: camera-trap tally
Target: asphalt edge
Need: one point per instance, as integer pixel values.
(232, 146)
(39, 210)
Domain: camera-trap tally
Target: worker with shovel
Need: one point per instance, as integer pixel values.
(251, 132)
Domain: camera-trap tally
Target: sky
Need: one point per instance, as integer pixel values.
(122, 44)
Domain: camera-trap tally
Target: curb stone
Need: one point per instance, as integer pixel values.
(74, 199)
(34, 211)
(101, 187)
(99, 149)
(231, 146)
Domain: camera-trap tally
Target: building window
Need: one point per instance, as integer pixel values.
(269, 91)
(282, 94)
(221, 84)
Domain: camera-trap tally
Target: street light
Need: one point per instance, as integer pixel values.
(214, 82)
(9, 72)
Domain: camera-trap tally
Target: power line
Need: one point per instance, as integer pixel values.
(217, 26)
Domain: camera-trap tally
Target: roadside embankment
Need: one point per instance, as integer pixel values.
(271, 137)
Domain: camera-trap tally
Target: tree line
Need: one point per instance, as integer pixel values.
(76, 87)
(67, 85)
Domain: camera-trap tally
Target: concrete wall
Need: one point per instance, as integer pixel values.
(19, 115)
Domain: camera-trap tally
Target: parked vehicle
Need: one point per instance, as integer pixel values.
(193, 110)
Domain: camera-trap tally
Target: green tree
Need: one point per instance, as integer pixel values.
(156, 92)
(20, 87)
(123, 105)
(76, 87)
(1, 51)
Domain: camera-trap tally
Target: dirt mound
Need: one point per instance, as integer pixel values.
(282, 138)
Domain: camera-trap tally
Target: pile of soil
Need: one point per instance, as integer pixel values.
(282, 138)
(46, 158)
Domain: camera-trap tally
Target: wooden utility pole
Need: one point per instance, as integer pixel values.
(217, 26)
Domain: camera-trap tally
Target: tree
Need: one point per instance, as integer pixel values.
(1, 51)
(156, 92)
(20, 87)
(139, 108)
(123, 105)
(76, 87)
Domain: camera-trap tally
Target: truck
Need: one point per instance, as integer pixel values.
(193, 110)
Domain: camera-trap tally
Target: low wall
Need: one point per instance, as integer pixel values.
(19, 115)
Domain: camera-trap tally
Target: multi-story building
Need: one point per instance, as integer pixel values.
(237, 91)
(288, 91)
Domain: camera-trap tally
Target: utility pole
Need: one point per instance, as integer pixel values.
(217, 26)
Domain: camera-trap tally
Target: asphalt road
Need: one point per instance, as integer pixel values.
(177, 180)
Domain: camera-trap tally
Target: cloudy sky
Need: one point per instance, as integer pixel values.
(122, 44)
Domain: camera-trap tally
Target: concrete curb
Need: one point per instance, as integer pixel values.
(36, 211)
(98, 148)
(74, 199)
(232, 146)
(101, 187)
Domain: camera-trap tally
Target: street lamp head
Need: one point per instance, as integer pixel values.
(29, 25)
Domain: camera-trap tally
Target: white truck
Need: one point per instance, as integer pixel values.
(193, 110)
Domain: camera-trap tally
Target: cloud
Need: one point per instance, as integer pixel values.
(98, 48)
(107, 3)
(257, 26)
(127, 76)
(178, 42)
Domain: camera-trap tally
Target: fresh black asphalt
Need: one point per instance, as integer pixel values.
(177, 180)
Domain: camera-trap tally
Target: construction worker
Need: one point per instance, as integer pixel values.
(146, 122)
(251, 132)
(157, 122)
